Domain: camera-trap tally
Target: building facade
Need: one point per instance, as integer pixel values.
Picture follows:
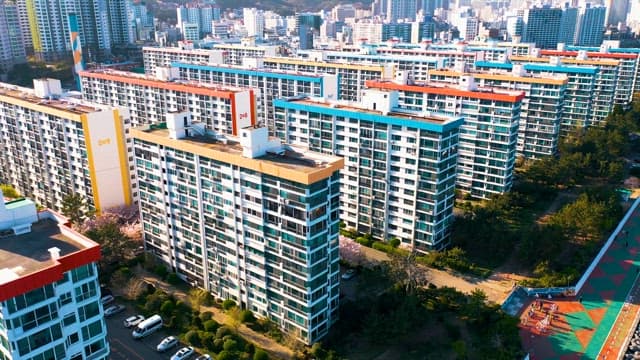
(488, 136)
(400, 166)
(50, 295)
(541, 110)
(245, 218)
(55, 147)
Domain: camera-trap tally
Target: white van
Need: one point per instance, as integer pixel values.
(147, 327)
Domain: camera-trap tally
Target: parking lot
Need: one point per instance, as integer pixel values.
(124, 347)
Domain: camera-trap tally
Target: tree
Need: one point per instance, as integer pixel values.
(260, 355)
(9, 191)
(193, 338)
(200, 297)
(74, 208)
(351, 252)
(406, 273)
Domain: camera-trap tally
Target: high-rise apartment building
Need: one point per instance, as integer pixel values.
(419, 66)
(568, 24)
(401, 10)
(542, 26)
(54, 147)
(351, 77)
(245, 218)
(400, 166)
(488, 136)
(197, 16)
(605, 80)
(50, 293)
(253, 20)
(578, 101)
(12, 47)
(617, 11)
(103, 23)
(590, 27)
(541, 110)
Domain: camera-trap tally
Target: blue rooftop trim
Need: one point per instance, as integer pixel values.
(386, 57)
(561, 68)
(265, 73)
(540, 67)
(452, 123)
(493, 64)
(612, 50)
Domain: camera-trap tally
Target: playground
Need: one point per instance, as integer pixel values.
(595, 323)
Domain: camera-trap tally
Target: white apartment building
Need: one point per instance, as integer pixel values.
(488, 136)
(418, 66)
(154, 57)
(352, 77)
(245, 218)
(54, 146)
(270, 84)
(542, 106)
(50, 293)
(400, 166)
(236, 53)
(253, 20)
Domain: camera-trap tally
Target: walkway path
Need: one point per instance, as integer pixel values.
(275, 349)
(496, 287)
(581, 325)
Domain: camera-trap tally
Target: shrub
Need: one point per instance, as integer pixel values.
(167, 307)
(382, 247)
(226, 355)
(208, 341)
(230, 345)
(206, 316)
(9, 191)
(634, 171)
(211, 326)
(228, 304)
(246, 316)
(395, 242)
(223, 331)
(364, 240)
(260, 355)
(193, 338)
(173, 279)
(217, 345)
(161, 271)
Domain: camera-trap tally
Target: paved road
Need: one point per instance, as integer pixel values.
(124, 347)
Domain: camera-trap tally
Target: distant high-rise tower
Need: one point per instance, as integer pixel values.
(201, 15)
(12, 50)
(542, 25)
(254, 22)
(102, 23)
(515, 27)
(401, 9)
(590, 26)
(568, 23)
(617, 11)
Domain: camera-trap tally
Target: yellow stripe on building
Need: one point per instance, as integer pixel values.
(90, 161)
(122, 155)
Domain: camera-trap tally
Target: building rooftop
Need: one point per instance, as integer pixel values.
(24, 254)
(478, 92)
(26, 97)
(569, 61)
(550, 79)
(329, 64)
(187, 86)
(247, 69)
(292, 163)
(17, 203)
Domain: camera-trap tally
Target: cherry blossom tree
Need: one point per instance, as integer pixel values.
(351, 252)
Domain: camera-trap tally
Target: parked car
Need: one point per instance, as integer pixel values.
(132, 321)
(348, 274)
(204, 357)
(107, 299)
(183, 353)
(113, 309)
(167, 343)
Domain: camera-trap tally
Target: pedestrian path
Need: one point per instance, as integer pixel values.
(580, 326)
